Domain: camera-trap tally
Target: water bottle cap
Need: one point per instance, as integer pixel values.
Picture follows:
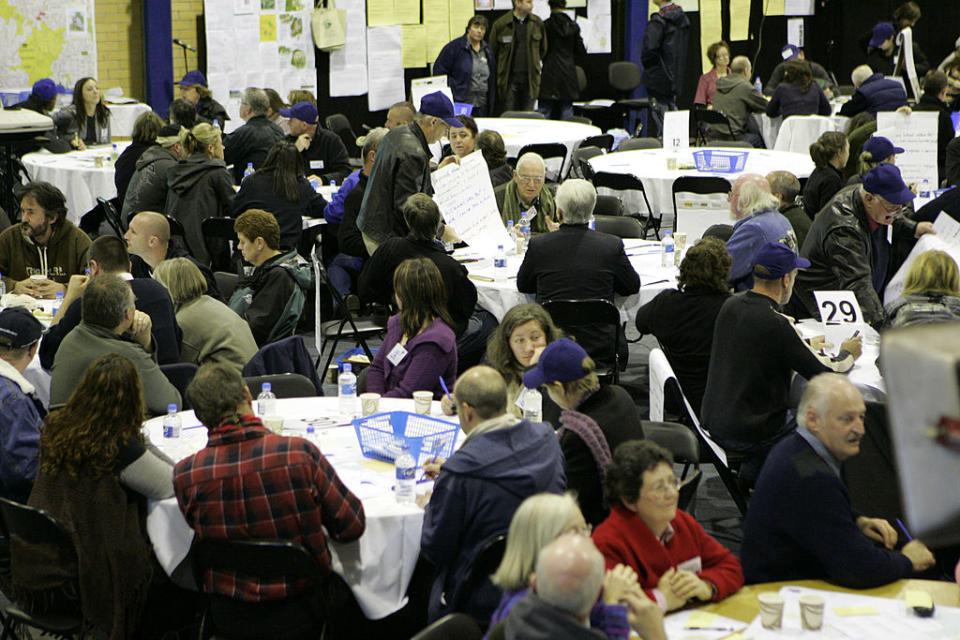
(310, 429)
(499, 246)
(509, 222)
(266, 386)
(59, 294)
(347, 367)
(668, 233)
(172, 407)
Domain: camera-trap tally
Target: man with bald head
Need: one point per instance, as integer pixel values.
(501, 462)
(737, 99)
(526, 196)
(398, 114)
(148, 241)
(874, 93)
(801, 524)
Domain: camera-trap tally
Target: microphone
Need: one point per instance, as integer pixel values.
(183, 44)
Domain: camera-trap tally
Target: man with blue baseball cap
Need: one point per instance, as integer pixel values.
(847, 243)
(323, 152)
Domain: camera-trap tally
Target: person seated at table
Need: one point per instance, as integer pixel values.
(463, 141)
(148, 242)
(38, 256)
(273, 115)
(490, 144)
(596, 419)
(42, 100)
(278, 487)
(526, 196)
(858, 130)
(931, 292)
(471, 68)
(758, 222)
(798, 94)
(249, 143)
(145, 132)
(746, 403)
(564, 588)
(108, 255)
(718, 54)
(199, 186)
(420, 347)
(953, 84)
(682, 319)
(801, 524)
(881, 47)
(23, 413)
(876, 150)
(147, 189)
(786, 187)
(737, 99)
(193, 88)
(675, 559)
(87, 120)
(96, 474)
(323, 152)
(934, 98)
(111, 324)
(829, 154)
(271, 298)
(280, 186)
(212, 332)
(501, 462)
(793, 52)
(874, 93)
(182, 113)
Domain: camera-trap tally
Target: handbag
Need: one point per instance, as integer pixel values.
(329, 26)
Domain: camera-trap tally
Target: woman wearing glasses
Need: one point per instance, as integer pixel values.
(675, 559)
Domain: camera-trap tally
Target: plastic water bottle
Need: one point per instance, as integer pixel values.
(57, 303)
(249, 171)
(500, 264)
(925, 188)
(3, 287)
(114, 154)
(171, 422)
(592, 223)
(266, 401)
(532, 405)
(512, 232)
(406, 468)
(347, 390)
(312, 436)
(666, 253)
(758, 85)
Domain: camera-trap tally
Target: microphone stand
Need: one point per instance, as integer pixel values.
(183, 47)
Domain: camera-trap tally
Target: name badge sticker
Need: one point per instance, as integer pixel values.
(316, 164)
(397, 354)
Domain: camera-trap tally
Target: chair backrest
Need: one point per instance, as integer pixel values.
(583, 319)
(741, 144)
(634, 144)
(694, 215)
(485, 562)
(797, 133)
(554, 156)
(704, 117)
(633, 195)
(624, 76)
(340, 125)
(284, 385)
(180, 374)
(532, 115)
(608, 206)
(620, 226)
(34, 525)
(112, 216)
(453, 626)
(604, 141)
(226, 282)
(580, 164)
(579, 119)
(581, 78)
(220, 240)
(263, 559)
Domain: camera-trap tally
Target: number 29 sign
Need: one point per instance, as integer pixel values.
(838, 307)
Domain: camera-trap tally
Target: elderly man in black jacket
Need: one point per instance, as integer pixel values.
(250, 143)
(323, 152)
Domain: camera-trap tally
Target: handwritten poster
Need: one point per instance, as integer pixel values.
(465, 197)
(947, 239)
(917, 134)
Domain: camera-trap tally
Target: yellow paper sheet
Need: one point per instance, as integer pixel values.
(436, 19)
(700, 620)
(407, 11)
(855, 611)
(710, 28)
(268, 27)
(739, 19)
(380, 13)
(414, 38)
(377, 465)
(460, 13)
(773, 7)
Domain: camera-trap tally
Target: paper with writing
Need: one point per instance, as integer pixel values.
(917, 134)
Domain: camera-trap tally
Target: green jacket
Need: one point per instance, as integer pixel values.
(509, 203)
(501, 39)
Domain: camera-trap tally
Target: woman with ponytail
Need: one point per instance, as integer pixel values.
(830, 154)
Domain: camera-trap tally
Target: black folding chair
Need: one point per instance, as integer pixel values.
(583, 319)
(104, 211)
(548, 151)
(634, 144)
(531, 115)
(620, 226)
(226, 283)
(702, 185)
(340, 125)
(283, 385)
(626, 76)
(609, 206)
(629, 183)
(180, 374)
(705, 117)
(484, 564)
(604, 141)
(579, 161)
(453, 626)
(220, 240)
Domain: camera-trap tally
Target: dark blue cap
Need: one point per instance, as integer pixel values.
(789, 52)
(304, 111)
(884, 180)
(45, 89)
(438, 105)
(775, 260)
(561, 361)
(191, 78)
(881, 31)
(18, 328)
(881, 148)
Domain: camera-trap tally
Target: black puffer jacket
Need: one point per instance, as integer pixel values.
(199, 187)
(147, 190)
(558, 78)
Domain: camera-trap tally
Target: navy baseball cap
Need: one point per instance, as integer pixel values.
(884, 180)
(881, 148)
(191, 78)
(561, 361)
(18, 328)
(881, 31)
(438, 105)
(45, 89)
(789, 52)
(775, 260)
(304, 111)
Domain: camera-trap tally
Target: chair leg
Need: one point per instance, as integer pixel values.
(733, 487)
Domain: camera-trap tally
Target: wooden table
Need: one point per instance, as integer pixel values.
(743, 604)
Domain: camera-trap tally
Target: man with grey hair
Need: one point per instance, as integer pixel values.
(791, 535)
(578, 263)
(249, 144)
(323, 153)
(399, 114)
(111, 324)
(525, 199)
(874, 93)
(759, 223)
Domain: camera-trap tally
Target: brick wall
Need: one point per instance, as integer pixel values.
(184, 25)
(119, 25)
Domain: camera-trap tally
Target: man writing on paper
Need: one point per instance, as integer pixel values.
(801, 524)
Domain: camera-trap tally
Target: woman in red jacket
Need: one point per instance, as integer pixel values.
(675, 559)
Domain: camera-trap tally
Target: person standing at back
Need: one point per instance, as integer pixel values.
(559, 85)
(664, 53)
(519, 42)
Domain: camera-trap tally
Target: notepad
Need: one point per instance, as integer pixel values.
(700, 620)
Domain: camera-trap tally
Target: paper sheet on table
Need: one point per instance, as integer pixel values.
(946, 239)
(694, 624)
(710, 29)
(414, 45)
(917, 134)
(739, 19)
(773, 7)
(465, 197)
(384, 67)
(348, 65)
(798, 7)
(795, 31)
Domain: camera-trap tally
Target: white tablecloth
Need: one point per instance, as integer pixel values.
(76, 175)
(379, 565)
(124, 116)
(519, 132)
(650, 165)
(498, 297)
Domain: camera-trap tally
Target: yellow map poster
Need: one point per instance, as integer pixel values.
(37, 42)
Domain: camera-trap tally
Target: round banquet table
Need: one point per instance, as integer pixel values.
(379, 565)
(124, 116)
(650, 166)
(76, 175)
(519, 132)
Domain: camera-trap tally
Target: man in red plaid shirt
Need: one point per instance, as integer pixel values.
(249, 483)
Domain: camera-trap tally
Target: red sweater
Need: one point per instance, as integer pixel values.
(623, 538)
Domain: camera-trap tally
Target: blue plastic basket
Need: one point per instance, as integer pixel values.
(427, 437)
(720, 161)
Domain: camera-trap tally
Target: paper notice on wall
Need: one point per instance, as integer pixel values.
(686, 5)
(798, 7)
(422, 86)
(917, 134)
(348, 64)
(407, 11)
(465, 197)
(414, 45)
(384, 67)
(541, 9)
(595, 32)
(241, 7)
(380, 13)
(573, 4)
(460, 13)
(795, 31)
(502, 4)
(947, 239)
(436, 18)
(710, 29)
(773, 7)
(739, 20)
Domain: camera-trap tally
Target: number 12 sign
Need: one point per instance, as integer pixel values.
(838, 307)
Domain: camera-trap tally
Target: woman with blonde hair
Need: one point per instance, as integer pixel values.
(199, 185)
(876, 150)
(931, 292)
(212, 332)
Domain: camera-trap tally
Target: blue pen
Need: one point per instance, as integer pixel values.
(904, 529)
(443, 385)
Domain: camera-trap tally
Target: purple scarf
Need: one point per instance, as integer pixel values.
(589, 431)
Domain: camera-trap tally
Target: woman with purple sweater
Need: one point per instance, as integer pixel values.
(420, 347)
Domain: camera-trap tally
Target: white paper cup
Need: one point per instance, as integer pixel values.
(369, 403)
(811, 612)
(38, 277)
(274, 423)
(422, 401)
(771, 610)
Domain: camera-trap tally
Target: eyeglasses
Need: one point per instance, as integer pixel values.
(583, 530)
(889, 207)
(529, 179)
(665, 487)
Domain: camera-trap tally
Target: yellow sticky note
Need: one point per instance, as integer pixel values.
(406, 11)
(855, 611)
(710, 28)
(380, 13)
(414, 39)
(268, 27)
(377, 465)
(739, 19)
(700, 620)
(774, 7)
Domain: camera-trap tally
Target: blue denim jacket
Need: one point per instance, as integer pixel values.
(21, 416)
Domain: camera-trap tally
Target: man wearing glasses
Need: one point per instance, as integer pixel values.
(525, 198)
(847, 243)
